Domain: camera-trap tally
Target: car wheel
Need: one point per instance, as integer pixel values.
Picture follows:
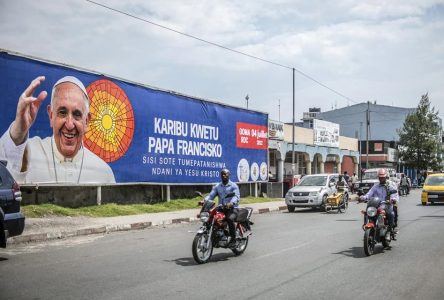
(2, 236)
(424, 203)
(290, 208)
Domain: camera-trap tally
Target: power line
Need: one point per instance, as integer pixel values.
(222, 47)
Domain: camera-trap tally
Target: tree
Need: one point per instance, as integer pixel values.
(419, 138)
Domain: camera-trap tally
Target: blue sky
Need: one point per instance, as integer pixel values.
(390, 52)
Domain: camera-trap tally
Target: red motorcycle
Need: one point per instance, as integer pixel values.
(214, 231)
(376, 227)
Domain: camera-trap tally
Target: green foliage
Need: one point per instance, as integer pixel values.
(113, 210)
(419, 138)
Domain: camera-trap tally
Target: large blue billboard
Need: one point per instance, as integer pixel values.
(143, 134)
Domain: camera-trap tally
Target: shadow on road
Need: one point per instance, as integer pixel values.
(189, 261)
(430, 204)
(433, 216)
(184, 261)
(355, 252)
(358, 252)
(302, 211)
(3, 258)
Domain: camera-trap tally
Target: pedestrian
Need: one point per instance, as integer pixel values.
(354, 180)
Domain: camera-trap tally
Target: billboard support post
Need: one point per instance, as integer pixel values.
(99, 195)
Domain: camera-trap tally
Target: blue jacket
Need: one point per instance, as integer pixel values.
(222, 190)
(380, 191)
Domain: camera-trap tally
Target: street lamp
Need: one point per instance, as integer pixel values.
(246, 98)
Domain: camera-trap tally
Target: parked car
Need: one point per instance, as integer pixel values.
(12, 221)
(433, 189)
(312, 191)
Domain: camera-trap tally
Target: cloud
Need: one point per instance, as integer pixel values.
(365, 50)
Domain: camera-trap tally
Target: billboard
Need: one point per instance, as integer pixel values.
(325, 133)
(143, 134)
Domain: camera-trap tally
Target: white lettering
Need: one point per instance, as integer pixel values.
(170, 127)
(244, 131)
(162, 171)
(160, 145)
(198, 148)
(204, 132)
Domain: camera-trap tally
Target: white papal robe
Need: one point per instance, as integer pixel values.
(42, 155)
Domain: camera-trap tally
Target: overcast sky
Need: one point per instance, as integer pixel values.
(391, 52)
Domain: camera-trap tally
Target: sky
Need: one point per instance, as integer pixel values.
(344, 52)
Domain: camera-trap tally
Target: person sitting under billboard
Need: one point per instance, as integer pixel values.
(61, 158)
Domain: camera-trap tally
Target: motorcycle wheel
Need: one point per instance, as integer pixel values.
(342, 207)
(369, 242)
(200, 254)
(327, 208)
(242, 244)
(385, 242)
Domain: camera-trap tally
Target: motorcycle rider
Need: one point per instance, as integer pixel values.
(340, 184)
(381, 190)
(405, 184)
(222, 189)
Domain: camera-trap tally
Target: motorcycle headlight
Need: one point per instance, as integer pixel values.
(204, 216)
(371, 211)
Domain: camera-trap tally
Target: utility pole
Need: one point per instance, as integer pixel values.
(279, 107)
(367, 127)
(360, 151)
(293, 165)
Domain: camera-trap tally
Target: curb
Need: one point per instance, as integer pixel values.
(41, 237)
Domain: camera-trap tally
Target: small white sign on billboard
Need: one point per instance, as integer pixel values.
(325, 133)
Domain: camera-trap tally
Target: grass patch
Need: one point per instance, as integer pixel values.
(113, 210)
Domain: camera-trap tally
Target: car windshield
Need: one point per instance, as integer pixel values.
(434, 180)
(370, 175)
(313, 181)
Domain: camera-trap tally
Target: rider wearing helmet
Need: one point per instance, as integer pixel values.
(384, 190)
(222, 189)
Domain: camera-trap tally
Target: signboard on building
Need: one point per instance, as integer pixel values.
(275, 130)
(143, 134)
(392, 155)
(325, 133)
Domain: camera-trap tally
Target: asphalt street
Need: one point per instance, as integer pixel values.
(302, 255)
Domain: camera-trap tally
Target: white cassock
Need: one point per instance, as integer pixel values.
(47, 165)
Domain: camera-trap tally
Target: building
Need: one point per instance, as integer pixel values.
(380, 137)
(316, 150)
(383, 120)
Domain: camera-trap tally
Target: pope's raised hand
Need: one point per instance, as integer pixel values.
(27, 109)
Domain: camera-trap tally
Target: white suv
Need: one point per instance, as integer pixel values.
(312, 191)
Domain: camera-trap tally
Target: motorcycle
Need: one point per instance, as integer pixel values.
(403, 190)
(376, 227)
(214, 233)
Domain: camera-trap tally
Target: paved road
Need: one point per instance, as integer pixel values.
(301, 255)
